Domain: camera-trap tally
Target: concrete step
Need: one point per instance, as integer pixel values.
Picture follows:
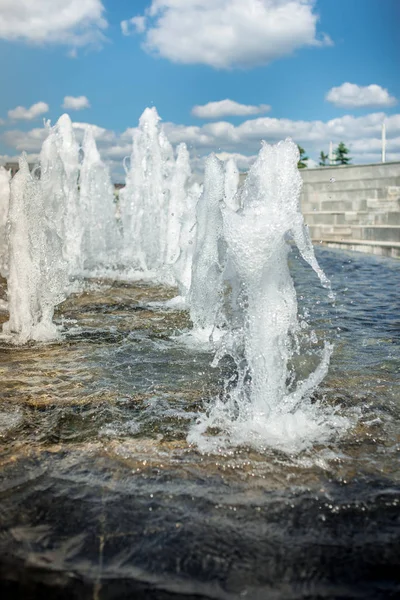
(389, 185)
(346, 195)
(309, 205)
(322, 231)
(390, 249)
(385, 205)
(324, 217)
(353, 172)
(378, 233)
(387, 218)
(355, 205)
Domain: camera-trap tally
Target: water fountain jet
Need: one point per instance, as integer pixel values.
(261, 410)
(144, 200)
(205, 294)
(101, 242)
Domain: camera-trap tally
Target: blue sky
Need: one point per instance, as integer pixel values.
(288, 54)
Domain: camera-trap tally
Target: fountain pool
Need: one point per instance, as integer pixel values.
(103, 498)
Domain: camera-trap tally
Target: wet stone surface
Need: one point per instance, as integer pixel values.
(101, 496)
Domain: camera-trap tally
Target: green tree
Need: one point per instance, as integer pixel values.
(323, 158)
(303, 158)
(341, 155)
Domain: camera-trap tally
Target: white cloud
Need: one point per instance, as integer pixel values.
(243, 162)
(375, 144)
(227, 108)
(118, 152)
(314, 136)
(5, 158)
(72, 53)
(71, 22)
(28, 141)
(104, 137)
(351, 95)
(374, 157)
(138, 24)
(228, 33)
(28, 114)
(361, 134)
(75, 103)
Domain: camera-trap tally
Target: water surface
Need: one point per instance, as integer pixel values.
(102, 497)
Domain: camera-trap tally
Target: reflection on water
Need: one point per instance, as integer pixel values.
(101, 496)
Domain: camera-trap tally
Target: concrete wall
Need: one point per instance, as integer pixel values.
(354, 207)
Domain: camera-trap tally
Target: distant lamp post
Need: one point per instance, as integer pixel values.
(330, 153)
(383, 142)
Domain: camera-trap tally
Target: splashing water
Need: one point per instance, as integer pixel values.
(101, 238)
(60, 159)
(177, 202)
(182, 268)
(261, 409)
(144, 200)
(231, 184)
(209, 253)
(36, 279)
(45, 235)
(226, 248)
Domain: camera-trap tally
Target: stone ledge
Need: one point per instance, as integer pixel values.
(389, 249)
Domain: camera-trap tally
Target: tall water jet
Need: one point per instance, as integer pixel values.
(262, 408)
(36, 278)
(209, 253)
(182, 268)
(101, 238)
(45, 235)
(231, 184)
(4, 201)
(144, 200)
(21, 281)
(177, 202)
(65, 180)
(167, 157)
(59, 168)
(168, 170)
